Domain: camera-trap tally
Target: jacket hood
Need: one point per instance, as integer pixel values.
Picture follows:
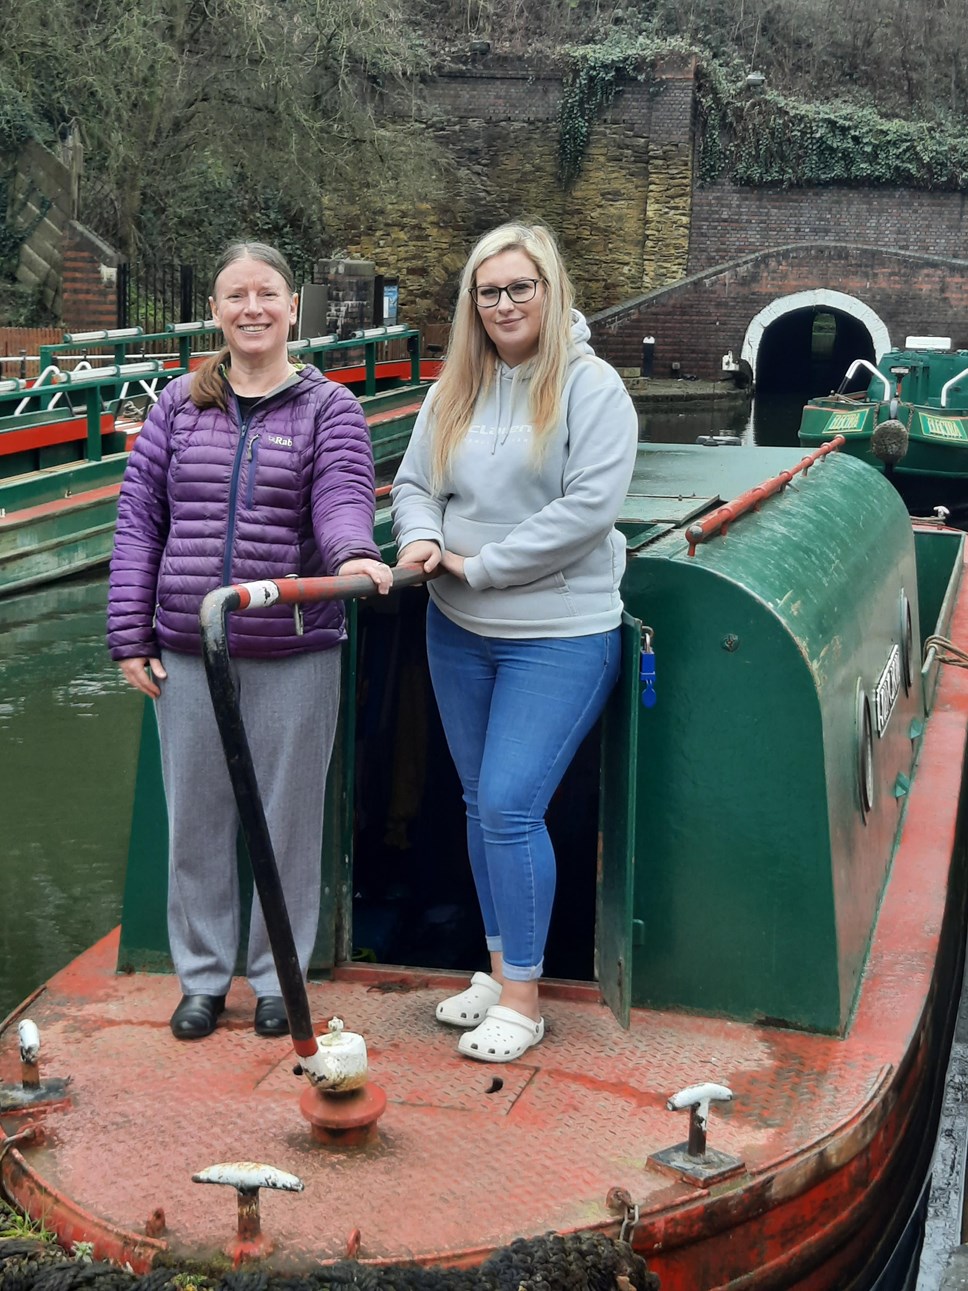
(578, 347)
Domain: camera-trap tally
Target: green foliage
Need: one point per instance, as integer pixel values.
(764, 139)
(277, 97)
(777, 140)
(594, 77)
(14, 1225)
(16, 121)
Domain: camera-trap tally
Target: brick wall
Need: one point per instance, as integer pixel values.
(729, 222)
(695, 322)
(17, 341)
(90, 291)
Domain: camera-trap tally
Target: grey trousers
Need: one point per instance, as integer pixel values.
(289, 708)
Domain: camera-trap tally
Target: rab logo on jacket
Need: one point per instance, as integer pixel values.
(280, 440)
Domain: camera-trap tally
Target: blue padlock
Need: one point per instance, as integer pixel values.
(647, 669)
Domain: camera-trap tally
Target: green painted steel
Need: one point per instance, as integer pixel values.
(618, 798)
(37, 548)
(757, 874)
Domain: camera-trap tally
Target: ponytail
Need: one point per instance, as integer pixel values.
(208, 384)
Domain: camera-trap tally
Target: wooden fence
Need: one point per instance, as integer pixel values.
(17, 342)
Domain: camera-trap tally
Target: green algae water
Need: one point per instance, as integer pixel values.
(69, 730)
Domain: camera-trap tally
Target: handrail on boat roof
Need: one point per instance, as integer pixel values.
(718, 521)
(865, 363)
(948, 384)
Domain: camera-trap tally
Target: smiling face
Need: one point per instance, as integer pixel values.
(255, 309)
(514, 329)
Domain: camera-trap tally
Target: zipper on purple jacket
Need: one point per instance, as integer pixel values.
(234, 489)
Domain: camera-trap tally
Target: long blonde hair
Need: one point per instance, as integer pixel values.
(471, 361)
(208, 387)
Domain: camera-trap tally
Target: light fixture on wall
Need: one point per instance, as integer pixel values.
(755, 82)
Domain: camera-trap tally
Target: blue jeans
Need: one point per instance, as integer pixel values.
(514, 713)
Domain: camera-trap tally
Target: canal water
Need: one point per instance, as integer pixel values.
(68, 749)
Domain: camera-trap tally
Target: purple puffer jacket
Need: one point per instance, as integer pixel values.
(208, 500)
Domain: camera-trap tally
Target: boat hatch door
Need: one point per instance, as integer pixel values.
(616, 829)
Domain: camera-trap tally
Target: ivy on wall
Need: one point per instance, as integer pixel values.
(772, 139)
(594, 76)
(767, 139)
(16, 128)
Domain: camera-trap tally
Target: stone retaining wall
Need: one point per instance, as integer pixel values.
(623, 224)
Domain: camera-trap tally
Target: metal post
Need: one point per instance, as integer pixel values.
(413, 346)
(186, 273)
(124, 276)
(93, 400)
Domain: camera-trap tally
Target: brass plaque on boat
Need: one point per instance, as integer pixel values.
(846, 423)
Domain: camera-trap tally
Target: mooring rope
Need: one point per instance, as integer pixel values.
(945, 651)
(586, 1262)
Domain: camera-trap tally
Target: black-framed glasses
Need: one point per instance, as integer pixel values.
(519, 292)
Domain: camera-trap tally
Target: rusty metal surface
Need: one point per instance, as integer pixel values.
(549, 1136)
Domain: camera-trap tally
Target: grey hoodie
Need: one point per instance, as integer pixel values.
(542, 555)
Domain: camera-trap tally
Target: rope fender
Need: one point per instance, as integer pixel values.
(578, 1262)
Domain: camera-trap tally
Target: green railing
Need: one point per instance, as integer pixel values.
(179, 345)
(87, 387)
(57, 395)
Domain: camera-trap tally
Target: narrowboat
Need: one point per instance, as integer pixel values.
(753, 964)
(65, 435)
(910, 420)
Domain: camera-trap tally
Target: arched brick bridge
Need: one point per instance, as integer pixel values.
(763, 305)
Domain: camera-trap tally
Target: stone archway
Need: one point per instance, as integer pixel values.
(818, 298)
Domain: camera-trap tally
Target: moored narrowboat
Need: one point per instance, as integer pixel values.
(754, 958)
(910, 420)
(65, 436)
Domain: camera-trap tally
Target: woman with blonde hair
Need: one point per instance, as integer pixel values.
(509, 491)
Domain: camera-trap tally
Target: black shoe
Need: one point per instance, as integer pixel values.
(270, 1016)
(195, 1017)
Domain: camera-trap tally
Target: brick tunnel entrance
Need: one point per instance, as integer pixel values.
(809, 350)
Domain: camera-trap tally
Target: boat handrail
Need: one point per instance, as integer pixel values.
(191, 339)
(948, 384)
(864, 363)
(718, 521)
(51, 375)
(216, 607)
(109, 334)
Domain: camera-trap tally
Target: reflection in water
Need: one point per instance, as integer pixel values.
(772, 421)
(69, 730)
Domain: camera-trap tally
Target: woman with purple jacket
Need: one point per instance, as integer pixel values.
(252, 467)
